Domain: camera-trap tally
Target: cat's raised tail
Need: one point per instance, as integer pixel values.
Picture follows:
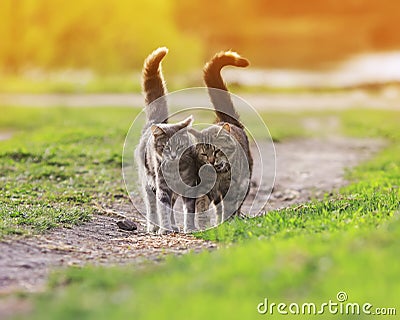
(222, 102)
(154, 88)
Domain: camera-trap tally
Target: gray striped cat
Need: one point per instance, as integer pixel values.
(224, 145)
(160, 146)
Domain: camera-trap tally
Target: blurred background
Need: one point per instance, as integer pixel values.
(99, 45)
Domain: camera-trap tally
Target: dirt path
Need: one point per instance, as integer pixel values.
(305, 169)
(5, 135)
(387, 99)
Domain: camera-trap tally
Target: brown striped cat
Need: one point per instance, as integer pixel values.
(225, 145)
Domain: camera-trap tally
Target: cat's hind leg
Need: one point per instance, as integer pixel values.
(164, 210)
(173, 222)
(202, 208)
(219, 210)
(189, 205)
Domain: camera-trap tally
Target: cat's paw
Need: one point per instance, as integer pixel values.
(204, 221)
(189, 229)
(152, 228)
(175, 229)
(163, 231)
(204, 225)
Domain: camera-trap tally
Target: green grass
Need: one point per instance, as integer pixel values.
(374, 198)
(60, 162)
(57, 164)
(374, 195)
(230, 283)
(307, 253)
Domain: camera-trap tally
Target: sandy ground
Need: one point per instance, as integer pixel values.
(385, 99)
(5, 135)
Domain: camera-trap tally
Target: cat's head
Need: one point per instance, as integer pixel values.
(170, 140)
(217, 147)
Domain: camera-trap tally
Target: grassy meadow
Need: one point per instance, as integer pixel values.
(61, 161)
(58, 164)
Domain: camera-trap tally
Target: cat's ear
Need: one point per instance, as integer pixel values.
(227, 127)
(186, 123)
(157, 130)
